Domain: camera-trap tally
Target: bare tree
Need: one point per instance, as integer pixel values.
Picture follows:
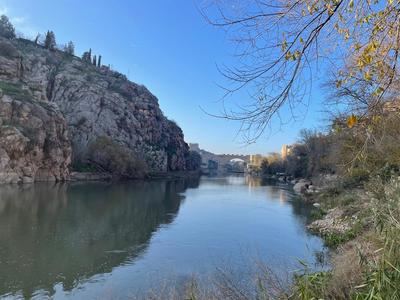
(283, 44)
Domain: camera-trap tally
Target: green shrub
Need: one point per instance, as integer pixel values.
(8, 50)
(382, 278)
(310, 285)
(15, 90)
(333, 240)
(84, 167)
(107, 155)
(355, 177)
(193, 161)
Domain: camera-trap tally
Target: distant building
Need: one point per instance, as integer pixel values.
(194, 147)
(285, 151)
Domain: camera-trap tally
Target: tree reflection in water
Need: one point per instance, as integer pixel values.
(66, 233)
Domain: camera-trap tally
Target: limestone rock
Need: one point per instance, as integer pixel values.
(66, 103)
(301, 186)
(34, 144)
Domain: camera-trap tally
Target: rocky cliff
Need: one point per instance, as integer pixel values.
(54, 107)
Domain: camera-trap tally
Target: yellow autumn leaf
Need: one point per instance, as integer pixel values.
(351, 121)
(367, 59)
(284, 45)
(367, 76)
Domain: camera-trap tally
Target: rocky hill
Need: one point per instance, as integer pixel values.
(55, 108)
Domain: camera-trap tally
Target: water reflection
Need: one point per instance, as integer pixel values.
(84, 240)
(68, 233)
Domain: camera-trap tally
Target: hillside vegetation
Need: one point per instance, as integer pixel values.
(59, 112)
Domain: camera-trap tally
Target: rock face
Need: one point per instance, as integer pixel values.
(66, 103)
(34, 144)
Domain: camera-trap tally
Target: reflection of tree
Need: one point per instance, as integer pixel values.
(67, 233)
(253, 181)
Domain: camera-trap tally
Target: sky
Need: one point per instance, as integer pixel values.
(168, 46)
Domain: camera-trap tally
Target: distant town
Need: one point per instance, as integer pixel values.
(235, 163)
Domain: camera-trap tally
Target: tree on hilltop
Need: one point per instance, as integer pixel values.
(87, 56)
(70, 48)
(7, 29)
(50, 41)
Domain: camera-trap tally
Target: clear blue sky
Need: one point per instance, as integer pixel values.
(167, 46)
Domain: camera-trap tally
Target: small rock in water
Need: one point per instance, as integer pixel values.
(317, 205)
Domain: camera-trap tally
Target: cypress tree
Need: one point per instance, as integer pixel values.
(94, 60)
(99, 61)
(50, 41)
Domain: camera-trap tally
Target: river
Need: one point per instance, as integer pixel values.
(119, 240)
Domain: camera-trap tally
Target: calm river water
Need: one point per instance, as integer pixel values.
(118, 240)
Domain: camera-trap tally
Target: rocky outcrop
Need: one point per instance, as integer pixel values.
(72, 104)
(34, 144)
(302, 186)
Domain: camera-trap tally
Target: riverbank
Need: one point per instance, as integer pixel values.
(360, 223)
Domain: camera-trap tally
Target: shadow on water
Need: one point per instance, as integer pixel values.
(67, 233)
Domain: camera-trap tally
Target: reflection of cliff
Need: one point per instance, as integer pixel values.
(77, 230)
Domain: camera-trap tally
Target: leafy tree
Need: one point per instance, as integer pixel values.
(106, 155)
(50, 41)
(193, 161)
(7, 30)
(264, 166)
(282, 44)
(70, 48)
(297, 161)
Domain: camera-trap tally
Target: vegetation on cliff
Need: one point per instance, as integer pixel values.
(112, 124)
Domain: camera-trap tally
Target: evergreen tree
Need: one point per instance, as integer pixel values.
(7, 30)
(50, 41)
(94, 60)
(99, 61)
(85, 56)
(70, 48)
(90, 54)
